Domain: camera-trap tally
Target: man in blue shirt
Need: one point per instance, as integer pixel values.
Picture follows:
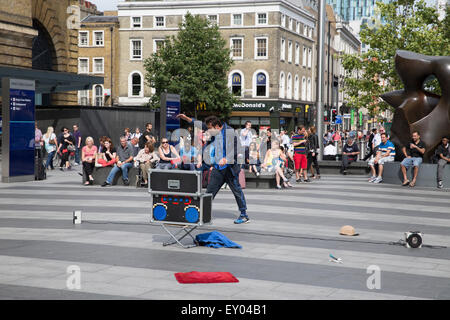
(225, 166)
(385, 153)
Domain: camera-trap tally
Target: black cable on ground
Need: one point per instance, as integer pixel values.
(400, 242)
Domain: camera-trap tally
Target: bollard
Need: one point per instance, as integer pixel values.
(77, 217)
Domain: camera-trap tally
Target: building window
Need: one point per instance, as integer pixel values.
(236, 84)
(298, 27)
(136, 22)
(296, 87)
(98, 38)
(214, 19)
(261, 18)
(157, 44)
(282, 85)
(83, 38)
(237, 48)
(136, 85)
(310, 32)
(98, 91)
(305, 30)
(237, 19)
(83, 65)
(136, 50)
(304, 56)
(261, 84)
(297, 53)
(159, 22)
(304, 89)
(83, 97)
(308, 90)
(98, 65)
(261, 48)
(283, 20)
(289, 87)
(283, 50)
(290, 51)
(291, 24)
(309, 57)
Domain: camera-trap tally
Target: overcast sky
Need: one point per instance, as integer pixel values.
(103, 5)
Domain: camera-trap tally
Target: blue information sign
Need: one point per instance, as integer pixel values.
(22, 117)
(338, 119)
(173, 109)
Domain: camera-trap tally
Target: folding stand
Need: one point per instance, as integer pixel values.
(187, 229)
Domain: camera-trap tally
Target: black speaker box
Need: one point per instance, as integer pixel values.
(181, 209)
(175, 182)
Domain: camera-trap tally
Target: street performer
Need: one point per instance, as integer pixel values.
(223, 170)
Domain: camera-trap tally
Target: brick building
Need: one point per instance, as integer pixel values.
(98, 43)
(272, 45)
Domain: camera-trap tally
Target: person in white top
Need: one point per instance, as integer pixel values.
(246, 134)
(50, 144)
(329, 152)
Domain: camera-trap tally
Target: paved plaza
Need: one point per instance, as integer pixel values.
(285, 252)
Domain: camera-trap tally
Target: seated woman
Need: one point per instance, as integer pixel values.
(274, 161)
(88, 155)
(169, 157)
(253, 159)
(107, 156)
(146, 157)
(191, 158)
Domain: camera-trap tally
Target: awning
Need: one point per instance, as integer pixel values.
(51, 81)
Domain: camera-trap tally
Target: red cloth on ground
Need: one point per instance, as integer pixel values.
(205, 277)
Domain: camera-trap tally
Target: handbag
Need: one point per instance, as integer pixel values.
(71, 148)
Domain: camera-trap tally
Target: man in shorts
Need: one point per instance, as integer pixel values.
(413, 158)
(299, 142)
(385, 153)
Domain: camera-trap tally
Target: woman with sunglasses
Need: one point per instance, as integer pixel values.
(169, 157)
(65, 141)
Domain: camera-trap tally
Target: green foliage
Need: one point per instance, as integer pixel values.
(194, 64)
(408, 25)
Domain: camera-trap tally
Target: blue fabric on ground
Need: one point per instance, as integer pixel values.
(215, 240)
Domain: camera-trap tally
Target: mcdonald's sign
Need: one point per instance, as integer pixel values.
(201, 106)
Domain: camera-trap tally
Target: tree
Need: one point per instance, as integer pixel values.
(194, 64)
(407, 25)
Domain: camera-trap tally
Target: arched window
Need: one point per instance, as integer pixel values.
(236, 84)
(296, 87)
(289, 87)
(282, 88)
(304, 89)
(135, 84)
(261, 83)
(98, 95)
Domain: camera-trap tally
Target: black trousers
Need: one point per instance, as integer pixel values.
(368, 155)
(88, 168)
(229, 175)
(64, 157)
(346, 161)
(313, 161)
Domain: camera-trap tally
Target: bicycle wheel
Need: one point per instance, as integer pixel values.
(56, 160)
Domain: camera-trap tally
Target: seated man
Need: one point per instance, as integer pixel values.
(124, 162)
(349, 154)
(385, 153)
(443, 152)
(413, 157)
(329, 152)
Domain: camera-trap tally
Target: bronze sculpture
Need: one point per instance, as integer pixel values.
(415, 108)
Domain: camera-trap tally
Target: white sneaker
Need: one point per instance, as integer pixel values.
(378, 180)
(98, 165)
(372, 179)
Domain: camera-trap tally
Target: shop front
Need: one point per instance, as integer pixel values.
(273, 114)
